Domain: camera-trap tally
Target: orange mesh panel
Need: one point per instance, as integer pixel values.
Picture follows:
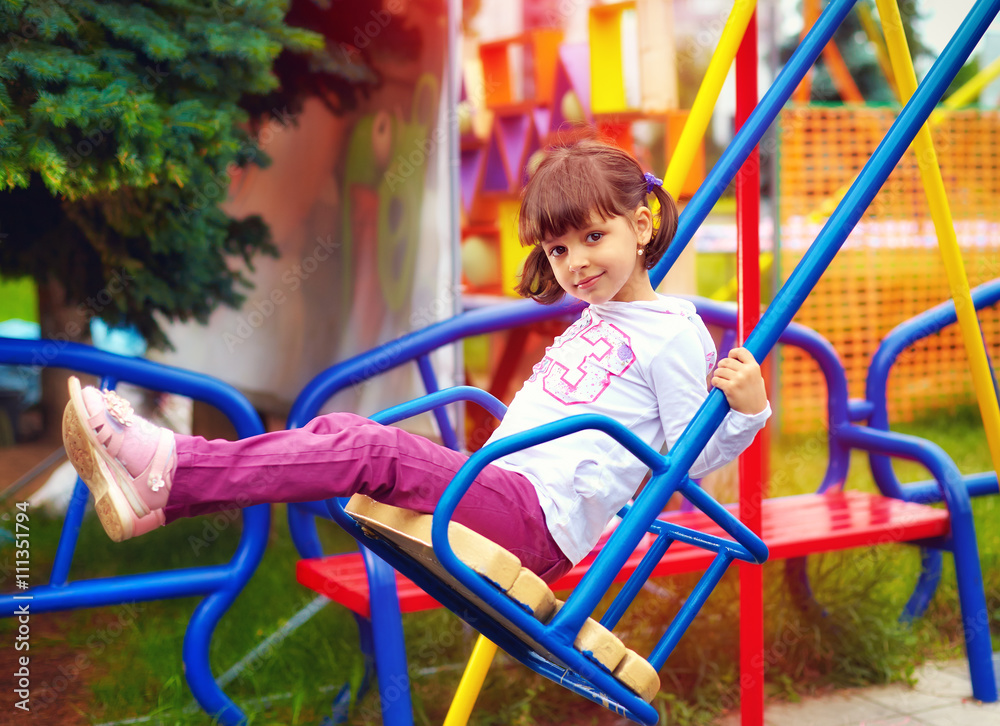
(890, 268)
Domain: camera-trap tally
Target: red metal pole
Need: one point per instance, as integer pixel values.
(748, 272)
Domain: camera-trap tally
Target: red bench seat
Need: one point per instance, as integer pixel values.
(792, 527)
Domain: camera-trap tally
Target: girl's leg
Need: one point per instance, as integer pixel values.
(341, 454)
(142, 475)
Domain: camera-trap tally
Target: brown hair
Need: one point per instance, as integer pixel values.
(571, 183)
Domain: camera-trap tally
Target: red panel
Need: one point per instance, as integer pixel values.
(792, 526)
(343, 579)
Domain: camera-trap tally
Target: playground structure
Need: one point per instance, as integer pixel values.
(569, 84)
(948, 483)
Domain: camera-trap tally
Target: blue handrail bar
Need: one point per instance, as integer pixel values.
(448, 436)
(219, 584)
(899, 339)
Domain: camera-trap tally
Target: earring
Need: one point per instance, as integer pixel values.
(640, 250)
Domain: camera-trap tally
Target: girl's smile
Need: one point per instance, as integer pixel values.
(603, 261)
(588, 282)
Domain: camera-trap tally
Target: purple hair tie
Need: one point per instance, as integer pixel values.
(652, 182)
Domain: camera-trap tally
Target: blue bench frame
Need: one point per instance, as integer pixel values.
(219, 584)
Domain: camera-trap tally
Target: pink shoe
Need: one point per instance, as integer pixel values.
(126, 461)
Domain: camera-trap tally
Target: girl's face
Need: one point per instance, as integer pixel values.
(601, 261)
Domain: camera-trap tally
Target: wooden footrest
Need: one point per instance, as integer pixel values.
(411, 532)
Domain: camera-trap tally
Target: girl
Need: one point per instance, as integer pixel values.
(634, 355)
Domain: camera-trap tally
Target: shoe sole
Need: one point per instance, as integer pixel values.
(90, 460)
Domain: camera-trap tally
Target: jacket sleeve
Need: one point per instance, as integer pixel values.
(678, 378)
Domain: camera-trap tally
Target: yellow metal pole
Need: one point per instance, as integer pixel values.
(471, 683)
(937, 199)
(704, 103)
(870, 27)
(971, 88)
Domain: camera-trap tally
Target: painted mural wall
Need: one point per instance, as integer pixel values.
(361, 210)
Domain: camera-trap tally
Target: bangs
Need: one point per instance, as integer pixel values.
(565, 192)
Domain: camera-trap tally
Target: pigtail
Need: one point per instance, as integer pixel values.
(537, 279)
(664, 227)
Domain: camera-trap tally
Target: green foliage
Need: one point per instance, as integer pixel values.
(120, 124)
(965, 74)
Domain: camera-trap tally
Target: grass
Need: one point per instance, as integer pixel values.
(18, 299)
(132, 653)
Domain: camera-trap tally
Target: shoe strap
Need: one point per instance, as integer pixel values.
(158, 473)
(110, 436)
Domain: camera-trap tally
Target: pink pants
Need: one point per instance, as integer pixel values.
(341, 454)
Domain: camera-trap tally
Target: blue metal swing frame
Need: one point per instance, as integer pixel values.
(779, 315)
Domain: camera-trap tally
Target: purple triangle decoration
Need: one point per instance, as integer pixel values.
(470, 165)
(542, 117)
(575, 59)
(513, 132)
(495, 173)
(532, 144)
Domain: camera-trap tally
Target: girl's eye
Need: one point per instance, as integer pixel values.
(595, 236)
(556, 250)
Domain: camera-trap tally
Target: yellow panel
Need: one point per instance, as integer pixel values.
(607, 82)
(512, 254)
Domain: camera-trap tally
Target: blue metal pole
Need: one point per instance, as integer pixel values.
(635, 581)
(69, 535)
(690, 608)
(124, 588)
(930, 576)
(390, 645)
(197, 640)
(448, 436)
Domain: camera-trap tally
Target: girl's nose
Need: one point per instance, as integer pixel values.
(577, 260)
